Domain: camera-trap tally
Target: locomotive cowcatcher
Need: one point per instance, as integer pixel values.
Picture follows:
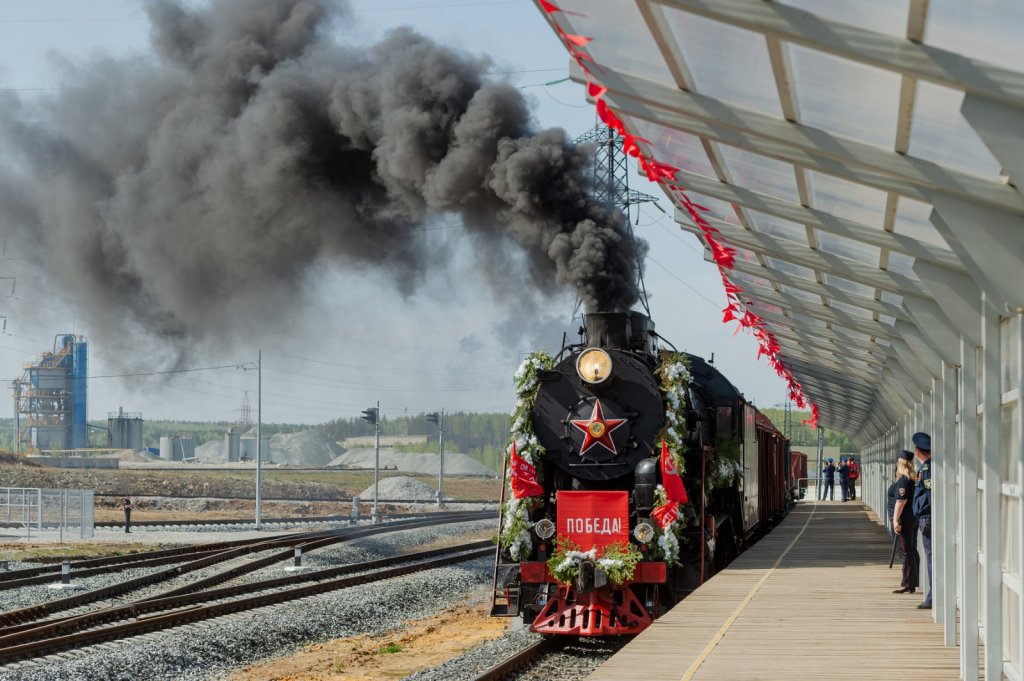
(598, 538)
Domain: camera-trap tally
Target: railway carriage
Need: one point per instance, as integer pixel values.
(634, 474)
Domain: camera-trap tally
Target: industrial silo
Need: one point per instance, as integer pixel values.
(124, 430)
(167, 448)
(186, 448)
(232, 445)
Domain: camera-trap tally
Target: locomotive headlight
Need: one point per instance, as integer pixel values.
(594, 365)
(544, 528)
(644, 532)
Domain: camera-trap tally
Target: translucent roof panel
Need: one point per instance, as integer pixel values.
(745, 79)
(848, 286)
(912, 220)
(620, 37)
(890, 297)
(847, 199)
(760, 173)
(803, 295)
(940, 134)
(880, 16)
(748, 282)
(679, 149)
(718, 209)
(767, 307)
(851, 310)
(790, 268)
(989, 30)
(848, 248)
(844, 97)
(769, 224)
(902, 264)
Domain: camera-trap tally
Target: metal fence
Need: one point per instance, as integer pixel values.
(69, 511)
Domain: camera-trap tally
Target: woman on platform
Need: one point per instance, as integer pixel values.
(904, 525)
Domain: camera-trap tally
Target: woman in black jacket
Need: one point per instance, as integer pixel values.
(901, 491)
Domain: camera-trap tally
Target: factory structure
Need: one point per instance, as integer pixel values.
(50, 398)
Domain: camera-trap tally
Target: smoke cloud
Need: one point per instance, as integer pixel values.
(253, 146)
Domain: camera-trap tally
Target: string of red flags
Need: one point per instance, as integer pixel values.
(666, 175)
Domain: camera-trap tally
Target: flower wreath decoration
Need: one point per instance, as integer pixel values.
(619, 561)
(674, 372)
(516, 532)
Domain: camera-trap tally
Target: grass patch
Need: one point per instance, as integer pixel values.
(393, 648)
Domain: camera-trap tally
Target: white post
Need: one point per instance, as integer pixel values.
(376, 461)
(259, 438)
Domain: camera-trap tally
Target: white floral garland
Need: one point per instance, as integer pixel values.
(516, 535)
(674, 371)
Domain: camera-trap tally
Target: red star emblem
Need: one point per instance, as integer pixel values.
(597, 430)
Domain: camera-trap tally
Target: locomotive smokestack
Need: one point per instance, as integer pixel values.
(254, 146)
(621, 330)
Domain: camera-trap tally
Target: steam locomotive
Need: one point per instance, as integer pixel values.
(583, 550)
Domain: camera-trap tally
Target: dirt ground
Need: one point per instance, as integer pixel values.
(420, 645)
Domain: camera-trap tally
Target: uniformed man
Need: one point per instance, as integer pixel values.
(923, 503)
(844, 478)
(828, 473)
(126, 503)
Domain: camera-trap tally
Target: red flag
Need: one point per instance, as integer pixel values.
(670, 480)
(524, 476)
(666, 515)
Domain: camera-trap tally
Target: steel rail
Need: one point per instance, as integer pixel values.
(24, 617)
(64, 635)
(517, 661)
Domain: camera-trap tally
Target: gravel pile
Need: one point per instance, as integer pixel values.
(400, 488)
(211, 650)
(303, 448)
(455, 463)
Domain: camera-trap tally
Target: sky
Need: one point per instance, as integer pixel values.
(353, 337)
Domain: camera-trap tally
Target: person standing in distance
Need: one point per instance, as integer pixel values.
(844, 478)
(854, 476)
(127, 504)
(829, 474)
(923, 503)
(901, 491)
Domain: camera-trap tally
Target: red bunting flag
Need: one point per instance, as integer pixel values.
(675, 492)
(524, 476)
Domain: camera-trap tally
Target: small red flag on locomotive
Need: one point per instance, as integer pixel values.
(524, 476)
(675, 492)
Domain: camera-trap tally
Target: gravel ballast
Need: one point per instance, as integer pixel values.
(211, 650)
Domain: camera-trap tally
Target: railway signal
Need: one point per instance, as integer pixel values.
(438, 418)
(372, 415)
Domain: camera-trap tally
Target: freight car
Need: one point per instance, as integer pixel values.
(634, 474)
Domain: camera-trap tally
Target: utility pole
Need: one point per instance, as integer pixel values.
(438, 418)
(16, 385)
(821, 463)
(372, 415)
(259, 438)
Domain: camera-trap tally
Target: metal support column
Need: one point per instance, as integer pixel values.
(947, 507)
(993, 590)
(969, 466)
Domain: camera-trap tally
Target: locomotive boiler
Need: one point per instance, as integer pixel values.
(634, 473)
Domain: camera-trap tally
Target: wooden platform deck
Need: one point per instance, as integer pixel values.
(812, 600)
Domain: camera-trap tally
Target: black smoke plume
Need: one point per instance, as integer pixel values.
(253, 145)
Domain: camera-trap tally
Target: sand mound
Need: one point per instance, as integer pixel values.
(401, 489)
(455, 464)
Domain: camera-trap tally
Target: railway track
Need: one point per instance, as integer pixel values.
(203, 557)
(563, 657)
(158, 614)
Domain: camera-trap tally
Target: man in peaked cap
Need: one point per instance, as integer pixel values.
(923, 503)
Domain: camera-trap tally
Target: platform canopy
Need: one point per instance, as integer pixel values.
(858, 158)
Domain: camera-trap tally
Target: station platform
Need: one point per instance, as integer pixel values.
(811, 600)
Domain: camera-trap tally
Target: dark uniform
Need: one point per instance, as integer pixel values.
(923, 507)
(829, 471)
(127, 503)
(844, 479)
(902, 489)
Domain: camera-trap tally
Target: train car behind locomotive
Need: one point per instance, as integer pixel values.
(634, 473)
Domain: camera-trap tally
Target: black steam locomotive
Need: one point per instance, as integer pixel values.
(592, 541)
